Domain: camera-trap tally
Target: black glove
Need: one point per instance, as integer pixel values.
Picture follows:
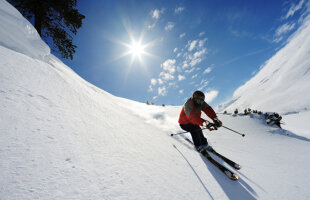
(217, 122)
(210, 126)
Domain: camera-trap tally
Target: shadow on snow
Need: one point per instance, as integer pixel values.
(233, 189)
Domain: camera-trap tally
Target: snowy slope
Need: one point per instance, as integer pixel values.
(18, 34)
(63, 138)
(283, 83)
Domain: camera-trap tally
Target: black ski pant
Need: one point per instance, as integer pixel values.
(196, 132)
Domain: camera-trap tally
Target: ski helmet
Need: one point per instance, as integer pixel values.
(198, 95)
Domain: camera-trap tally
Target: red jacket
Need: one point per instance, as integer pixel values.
(191, 113)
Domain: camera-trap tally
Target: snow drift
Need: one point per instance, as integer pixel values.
(18, 34)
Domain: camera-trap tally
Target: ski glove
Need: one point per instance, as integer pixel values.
(217, 122)
(209, 125)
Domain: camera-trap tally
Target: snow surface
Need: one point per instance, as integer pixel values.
(18, 34)
(298, 123)
(63, 138)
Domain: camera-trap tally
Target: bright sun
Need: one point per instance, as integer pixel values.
(136, 49)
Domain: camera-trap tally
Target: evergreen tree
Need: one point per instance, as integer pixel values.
(53, 19)
(236, 111)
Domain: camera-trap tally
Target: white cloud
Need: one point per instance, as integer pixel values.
(185, 65)
(194, 76)
(191, 45)
(201, 34)
(160, 81)
(179, 54)
(153, 81)
(278, 39)
(195, 61)
(169, 26)
(175, 50)
(208, 70)
(211, 95)
(182, 35)
(178, 10)
(294, 8)
(151, 26)
(157, 13)
(166, 76)
(169, 65)
(181, 91)
(155, 97)
(202, 42)
(284, 29)
(150, 89)
(200, 53)
(172, 84)
(180, 77)
(190, 70)
(162, 91)
(203, 84)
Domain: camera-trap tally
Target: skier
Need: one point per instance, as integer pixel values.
(190, 120)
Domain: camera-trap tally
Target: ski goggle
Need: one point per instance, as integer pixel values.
(199, 101)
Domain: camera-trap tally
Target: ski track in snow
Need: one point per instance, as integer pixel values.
(63, 138)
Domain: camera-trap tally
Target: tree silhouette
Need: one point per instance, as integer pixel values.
(56, 19)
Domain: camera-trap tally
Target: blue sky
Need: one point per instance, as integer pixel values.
(214, 46)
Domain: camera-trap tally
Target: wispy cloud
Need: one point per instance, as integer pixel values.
(203, 84)
(208, 70)
(160, 81)
(201, 34)
(194, 76)
(169, 26)
(293, 9)
(182, 35)
(191, 45)
(166, 76)
(181, 91)
(175, 50)
(180, 77)
(153, 81)
(178, 10)
(162, 91)
(155, 14)
(282, 30)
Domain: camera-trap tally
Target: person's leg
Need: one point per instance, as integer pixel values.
(196, 133)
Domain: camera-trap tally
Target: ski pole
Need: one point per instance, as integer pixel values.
(234, 131)
(172, 134)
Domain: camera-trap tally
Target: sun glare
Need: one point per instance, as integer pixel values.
(136, 49)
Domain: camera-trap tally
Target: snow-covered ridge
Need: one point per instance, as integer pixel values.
(283, 83)
(18, 34)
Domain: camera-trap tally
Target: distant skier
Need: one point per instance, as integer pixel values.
(190, 119)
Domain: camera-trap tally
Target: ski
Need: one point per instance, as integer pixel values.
(228, 161)
(231, 175)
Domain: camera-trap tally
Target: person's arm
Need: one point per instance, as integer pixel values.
(211, 113)
(208, 110)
